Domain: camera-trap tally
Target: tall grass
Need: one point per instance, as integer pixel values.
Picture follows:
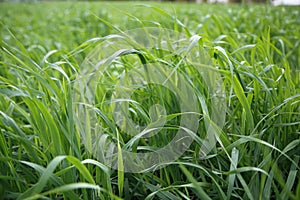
(255, 49)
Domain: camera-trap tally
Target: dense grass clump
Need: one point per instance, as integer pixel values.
(255, 49)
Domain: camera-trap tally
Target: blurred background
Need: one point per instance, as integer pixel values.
(273, 2)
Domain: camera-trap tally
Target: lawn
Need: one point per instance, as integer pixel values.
(139, 100)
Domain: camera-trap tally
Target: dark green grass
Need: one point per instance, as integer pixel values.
(256, 50)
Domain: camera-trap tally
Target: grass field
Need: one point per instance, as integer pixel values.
(254, 48)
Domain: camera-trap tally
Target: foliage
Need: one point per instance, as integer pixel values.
(255, 48)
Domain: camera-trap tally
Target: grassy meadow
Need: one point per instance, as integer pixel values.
(254, 48)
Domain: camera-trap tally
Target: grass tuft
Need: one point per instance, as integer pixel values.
(254, 48)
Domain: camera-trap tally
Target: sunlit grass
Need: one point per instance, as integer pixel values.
(256, 49)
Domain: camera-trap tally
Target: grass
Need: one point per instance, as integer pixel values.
(255, 49)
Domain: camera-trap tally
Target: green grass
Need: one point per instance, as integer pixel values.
(256, 49)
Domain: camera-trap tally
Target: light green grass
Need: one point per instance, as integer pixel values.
(256, 50)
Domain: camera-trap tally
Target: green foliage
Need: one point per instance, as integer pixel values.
(255, 48)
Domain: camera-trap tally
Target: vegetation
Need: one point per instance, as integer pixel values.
(256, 49)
